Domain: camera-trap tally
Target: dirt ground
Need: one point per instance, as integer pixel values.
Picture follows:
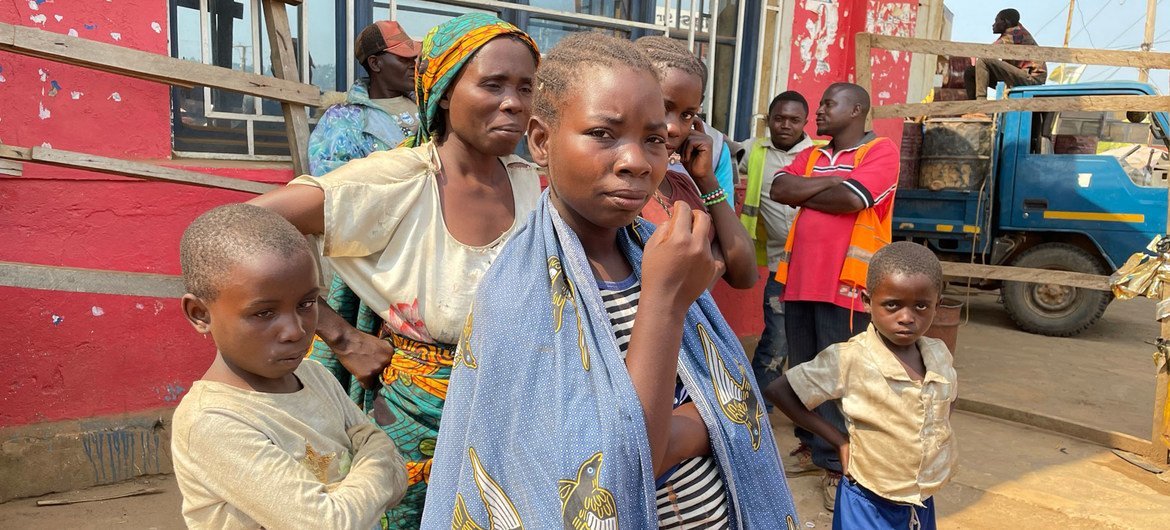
(1009, 476)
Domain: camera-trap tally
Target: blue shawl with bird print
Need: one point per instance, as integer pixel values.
(542, 427)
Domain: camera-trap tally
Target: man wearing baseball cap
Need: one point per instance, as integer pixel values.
(379, 111)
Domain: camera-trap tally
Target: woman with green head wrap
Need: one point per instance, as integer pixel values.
(411, 231)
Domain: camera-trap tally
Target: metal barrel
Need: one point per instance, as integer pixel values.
(911, 151)
(956, 153)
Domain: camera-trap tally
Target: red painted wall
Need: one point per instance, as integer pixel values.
(71, 355)
(823, 52)
(80, 355)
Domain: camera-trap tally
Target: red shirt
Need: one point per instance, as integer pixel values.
(820, 239)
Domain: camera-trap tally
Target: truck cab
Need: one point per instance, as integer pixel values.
(1073, 190)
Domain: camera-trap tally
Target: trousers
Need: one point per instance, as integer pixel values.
(812, 327)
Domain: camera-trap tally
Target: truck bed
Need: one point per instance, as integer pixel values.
(953, 218)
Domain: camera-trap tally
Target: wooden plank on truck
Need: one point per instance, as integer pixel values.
(1022, 274)
(1033, 104)
(1047, 54)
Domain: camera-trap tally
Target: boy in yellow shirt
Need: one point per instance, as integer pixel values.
(897, 389)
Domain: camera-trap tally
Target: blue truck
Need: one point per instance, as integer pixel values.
(1072, 191)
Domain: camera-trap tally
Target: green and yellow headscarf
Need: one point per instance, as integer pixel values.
(444, 52)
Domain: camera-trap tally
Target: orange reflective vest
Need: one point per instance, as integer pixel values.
(870, 232)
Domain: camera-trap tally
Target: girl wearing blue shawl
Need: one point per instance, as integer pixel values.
(562, 405)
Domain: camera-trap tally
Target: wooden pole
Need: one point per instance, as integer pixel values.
(1160, 434)
(1067, 35)
(1068, 24)
(284, 66)
(1148, 41)
(862, 74)
(1159, 452)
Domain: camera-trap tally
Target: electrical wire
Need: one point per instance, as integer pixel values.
(1107, 73)
(1126, 30)
(1054, 17)
(1085, 24)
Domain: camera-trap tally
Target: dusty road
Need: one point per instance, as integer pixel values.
(1009, 476)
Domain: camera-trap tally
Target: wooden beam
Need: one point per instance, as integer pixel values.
(1159, 452)
(1033, 104)
(862, 56)
(125, 168)
(149, 66)
(284, 66)
(11, 169)
(1155, 60)
(77, 280)
(1021, 274)
(11, 152)
(1105, 438)
(862, 73)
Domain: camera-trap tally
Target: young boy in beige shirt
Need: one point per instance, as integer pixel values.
(897, 389)
(265, 439)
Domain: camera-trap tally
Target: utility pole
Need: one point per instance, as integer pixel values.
(1148, 42)
(1067, 33)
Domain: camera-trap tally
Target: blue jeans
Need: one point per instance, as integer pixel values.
(772, 350)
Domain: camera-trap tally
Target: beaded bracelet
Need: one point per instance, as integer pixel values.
(714, 197)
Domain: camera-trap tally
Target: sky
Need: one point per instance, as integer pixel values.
(1102, 24)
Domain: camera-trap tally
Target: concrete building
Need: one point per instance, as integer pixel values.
(89, 380)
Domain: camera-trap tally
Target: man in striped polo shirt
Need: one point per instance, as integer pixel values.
(845, 192)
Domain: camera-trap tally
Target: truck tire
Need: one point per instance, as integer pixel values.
(1054, 310)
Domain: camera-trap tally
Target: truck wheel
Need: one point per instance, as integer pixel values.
(1055, 310)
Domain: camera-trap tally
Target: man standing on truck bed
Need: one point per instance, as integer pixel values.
(987, 73)
(845, 192)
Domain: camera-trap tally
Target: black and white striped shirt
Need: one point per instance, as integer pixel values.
(691, 495)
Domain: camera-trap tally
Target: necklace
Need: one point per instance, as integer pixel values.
(662, 202)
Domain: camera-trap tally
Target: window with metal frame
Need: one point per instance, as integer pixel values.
(214, 123)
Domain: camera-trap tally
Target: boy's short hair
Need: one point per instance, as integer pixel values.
(903, 257)
(666, 53)
(790, 95)
(227, 235)
(566, 66)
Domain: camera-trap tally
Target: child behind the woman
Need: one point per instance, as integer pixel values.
(265, 439)
(566, 416)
